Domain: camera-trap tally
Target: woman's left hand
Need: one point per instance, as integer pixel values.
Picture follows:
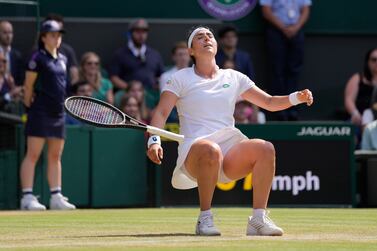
(305, 96)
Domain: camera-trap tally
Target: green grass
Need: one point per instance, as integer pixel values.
(173, 228)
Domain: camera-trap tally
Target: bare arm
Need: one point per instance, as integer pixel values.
(270, 17)
(29, 86)
(118, 82)
(305, 11)
(74, 74)
(289, 31)
(275, 103)
(161, 113)
(350, 95)
(110, 96)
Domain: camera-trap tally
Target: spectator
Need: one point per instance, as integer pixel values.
(246, 113)
(9, 92)
(67, 51)
(136, 89)
(136, 60)
(181, 59)
(90, 71)
(359, 88)
(15, 64)
(228, 64)
(285, 44)
(130, 106)
(228, 50)
(82, 88)
(45, 118)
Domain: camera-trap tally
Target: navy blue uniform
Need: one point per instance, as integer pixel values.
(46, 115)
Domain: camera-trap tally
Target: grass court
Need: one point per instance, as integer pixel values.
(173, 229)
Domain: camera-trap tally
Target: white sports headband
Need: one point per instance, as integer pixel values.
(192, 35)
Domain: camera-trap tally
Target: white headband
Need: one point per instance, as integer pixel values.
(189, 42)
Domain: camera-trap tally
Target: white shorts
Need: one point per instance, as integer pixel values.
(226, 138)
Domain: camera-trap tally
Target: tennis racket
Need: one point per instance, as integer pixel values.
(102, 114)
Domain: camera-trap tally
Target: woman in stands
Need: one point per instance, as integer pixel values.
(90, 71)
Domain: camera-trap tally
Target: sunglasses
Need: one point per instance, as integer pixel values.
(92, 63)
(374, 60)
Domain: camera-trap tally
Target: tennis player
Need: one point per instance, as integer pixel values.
(46, 119)
(214, 150)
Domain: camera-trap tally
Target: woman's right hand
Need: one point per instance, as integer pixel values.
(155, 153)
(356, 118)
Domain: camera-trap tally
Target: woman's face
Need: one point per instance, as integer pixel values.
(131, 107)
(137, 91)
(203, 43)
(372, 62)
(91, 64)
(52, 39)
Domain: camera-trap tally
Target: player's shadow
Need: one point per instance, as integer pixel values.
(135, 235)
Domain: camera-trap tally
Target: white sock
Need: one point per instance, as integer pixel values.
(27, 192)
(259, 212)
(205, 213)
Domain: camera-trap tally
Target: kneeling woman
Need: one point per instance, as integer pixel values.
(214, 150)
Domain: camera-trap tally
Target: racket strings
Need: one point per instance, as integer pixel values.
(94, 112)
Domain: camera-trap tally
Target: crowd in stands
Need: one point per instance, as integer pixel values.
(136, 74)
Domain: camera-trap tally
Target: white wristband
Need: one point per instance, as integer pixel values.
(154, 139)
(293, 98)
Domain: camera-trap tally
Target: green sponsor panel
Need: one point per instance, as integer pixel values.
(75, 169)
(299, 131)
(8, 180)
(314, 167)
(119, 171)
(76, 166)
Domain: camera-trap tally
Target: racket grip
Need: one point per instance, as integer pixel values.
(166, 134)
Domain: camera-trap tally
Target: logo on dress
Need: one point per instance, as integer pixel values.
(32, 65)
(228, 10)
(226, 85)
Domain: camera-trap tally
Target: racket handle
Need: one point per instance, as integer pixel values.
(166, 134)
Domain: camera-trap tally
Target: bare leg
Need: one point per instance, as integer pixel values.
(54, 169)
(203, 163)
(256, 156)
(34, 149)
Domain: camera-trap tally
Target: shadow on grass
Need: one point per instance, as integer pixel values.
(133, 235)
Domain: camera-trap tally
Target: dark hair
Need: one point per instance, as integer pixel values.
(189, 33)
(54, 16)
(229, 28)
(367, 72)
(75, 87)
(41, 45)
(179, 45)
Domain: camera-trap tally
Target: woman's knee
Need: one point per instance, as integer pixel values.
(269, 149)
(54, 156)
(264, 149)
(32, 156)
(209, 152)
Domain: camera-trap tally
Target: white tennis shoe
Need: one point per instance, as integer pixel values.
(59, 202)
(206, 227)
(31, 203)
(263, 226)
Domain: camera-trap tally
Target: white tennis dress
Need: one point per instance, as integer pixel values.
(205, 108)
